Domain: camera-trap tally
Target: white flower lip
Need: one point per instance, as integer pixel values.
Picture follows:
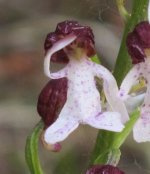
(83, 105)
(141, 130)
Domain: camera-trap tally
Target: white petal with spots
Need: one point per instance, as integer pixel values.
(83, 103)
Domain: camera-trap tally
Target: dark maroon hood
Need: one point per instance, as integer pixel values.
(137, 41)
(84, 36)
(104, 169)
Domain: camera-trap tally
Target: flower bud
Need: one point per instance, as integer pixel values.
(51, 100)
(104, 169)
(84, 35)
(138, 41)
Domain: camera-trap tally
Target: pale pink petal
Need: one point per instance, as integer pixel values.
(111, 91)
(131, 78)
(141, 130)
(56, 47)
(82, 95)
(60, 130)
(108, 121)
(134, 101)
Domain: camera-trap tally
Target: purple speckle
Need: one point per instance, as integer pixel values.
(141, 74)
(138, 67)
(76, 103)
(100, 113)
(69, 65)
(143, 105)
(82, 82)
(121, 94)
(57, 147)
(70, 108)
(88, 63)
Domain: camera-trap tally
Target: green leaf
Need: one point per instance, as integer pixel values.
(31, 150)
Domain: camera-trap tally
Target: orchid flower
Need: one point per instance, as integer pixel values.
(74, 44)
(138, 43)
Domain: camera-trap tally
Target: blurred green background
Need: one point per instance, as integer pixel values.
(23, 27)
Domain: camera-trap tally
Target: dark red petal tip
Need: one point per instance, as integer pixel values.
(84, 35)
(135, 48)
(51, 100)
(138, 40)
(68, 27)
(104, 169)
(143, 32)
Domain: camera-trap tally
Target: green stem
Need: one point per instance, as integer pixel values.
(122, 10)
(108, 143)
(123, 63)
(31, 150)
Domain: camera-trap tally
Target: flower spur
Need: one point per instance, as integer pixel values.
(83, 105)
(138, 44)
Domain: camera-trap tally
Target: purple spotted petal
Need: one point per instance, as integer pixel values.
(104, 169)
(130, 79)
(107, 120)
(60, 129)
(111, 92)
(141, 129)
